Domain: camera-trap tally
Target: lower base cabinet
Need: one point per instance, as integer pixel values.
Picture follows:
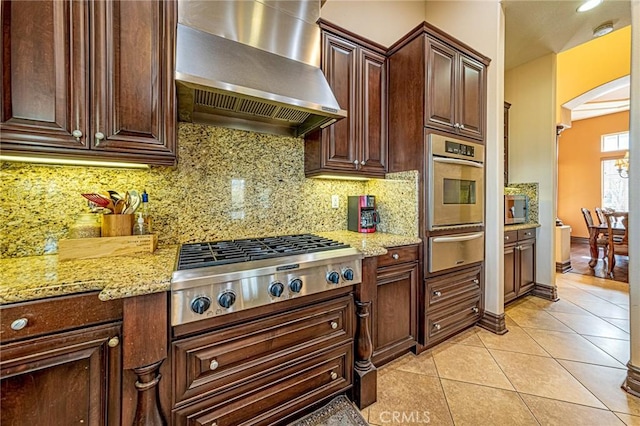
(453, 302)
(519, 263)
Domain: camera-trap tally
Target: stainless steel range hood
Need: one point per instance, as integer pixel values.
(253, 65)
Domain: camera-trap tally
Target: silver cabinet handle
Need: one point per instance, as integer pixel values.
(213, 364)
(396, 256)
(437, 326)
(19, 324)
(437, 293)
(113, 342)
(362, 163)
(506, 238)
(334, 375)
(334, 325)
(466, 237)
(475, 309)
(476, 281)
(76, 134)
(99, 137)
(462, 126)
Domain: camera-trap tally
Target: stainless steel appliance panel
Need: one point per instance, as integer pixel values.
(455, 250)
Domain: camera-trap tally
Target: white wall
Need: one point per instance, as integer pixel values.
(384, 22)
(530, 88)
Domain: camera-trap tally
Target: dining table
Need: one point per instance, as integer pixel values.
(618, 228)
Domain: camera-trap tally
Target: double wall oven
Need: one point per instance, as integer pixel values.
(455, 202)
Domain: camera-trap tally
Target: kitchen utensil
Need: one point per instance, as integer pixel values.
(97, 199)
(134, 202)
(115, 196)
(119, 206)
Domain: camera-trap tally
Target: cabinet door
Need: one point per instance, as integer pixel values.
(133, 86)
(373, 136)
(339, 140)
(471, 98)
(509, 272)
(527, 265)
(44, 74)
(395, 321)
(440, 98)
(65, 378)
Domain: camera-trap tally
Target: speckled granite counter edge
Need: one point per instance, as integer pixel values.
(519, 226)
(370, 245)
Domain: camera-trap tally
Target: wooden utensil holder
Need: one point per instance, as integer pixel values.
(117, 225)
(88, 248)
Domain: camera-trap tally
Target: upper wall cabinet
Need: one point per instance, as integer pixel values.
(455, 92)
(90, 80)
(356, 70)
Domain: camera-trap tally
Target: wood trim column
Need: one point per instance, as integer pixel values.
(494, 323)
(544, 291)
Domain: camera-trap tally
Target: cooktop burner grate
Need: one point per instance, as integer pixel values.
(199, 255)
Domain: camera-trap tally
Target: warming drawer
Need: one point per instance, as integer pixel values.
(451, 251)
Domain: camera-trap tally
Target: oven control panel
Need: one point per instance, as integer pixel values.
(459, 148)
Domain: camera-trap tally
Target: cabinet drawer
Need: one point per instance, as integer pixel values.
(510, 237)
(277, 395)
(525, 234)
(215, 361)
(396, 255)
(443, 323)
(444, 291)
(56, 314)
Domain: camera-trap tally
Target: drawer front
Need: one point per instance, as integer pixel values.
(525, 234)
(397, 255)
(220, 359)
(444, 291)
(276, 396)
(443, 323)
(40, 317)
(510, 237)
(455, 251)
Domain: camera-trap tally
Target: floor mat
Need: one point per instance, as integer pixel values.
(338, 412)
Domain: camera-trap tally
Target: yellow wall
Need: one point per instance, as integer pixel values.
(579, 170)
(592, 64)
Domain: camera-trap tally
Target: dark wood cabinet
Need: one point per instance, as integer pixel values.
(92, 80)
(507, 106)
(395, 304)
(453, 302)
(455, 91)
(65, 374)
(265, 370)
(519, 263)
(356, 70)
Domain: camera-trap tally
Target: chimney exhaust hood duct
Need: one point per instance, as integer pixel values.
(253, 65)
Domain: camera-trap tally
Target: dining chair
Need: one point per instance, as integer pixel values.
(616, 245)
(601, 240)
(600, 215)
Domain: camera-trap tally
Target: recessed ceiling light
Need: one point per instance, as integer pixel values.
(603, 29)
(588, 5)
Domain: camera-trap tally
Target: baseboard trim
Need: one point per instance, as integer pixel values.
(544, 291)
(632, 382)
(580, 240)
(494, 323)
(563, 267)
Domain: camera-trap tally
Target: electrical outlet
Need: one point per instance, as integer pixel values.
(335, 202)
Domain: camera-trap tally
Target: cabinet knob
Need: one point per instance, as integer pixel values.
(396, 256)
(213, 364)
(355, 163)
(506, 238)
(334, 325)
(76, 134)
(462, 127)
(475, 309)
(99, 137)
(113, 342)
(334, 375)
(437, 326)
(362, 163)
(457, 125)
(19, 324)
(437, 293)
(476, 281)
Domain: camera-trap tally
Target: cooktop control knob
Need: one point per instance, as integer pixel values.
(347, 274)
(333, 277)
(200, 304)
(226, 299)
(276, 288)
(295, 285)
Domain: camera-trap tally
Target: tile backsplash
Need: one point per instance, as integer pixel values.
(530, 190)
(228, 184)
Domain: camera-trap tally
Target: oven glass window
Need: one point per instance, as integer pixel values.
(459, 191)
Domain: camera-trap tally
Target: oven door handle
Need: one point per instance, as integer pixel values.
(457, 161)
(460, 238)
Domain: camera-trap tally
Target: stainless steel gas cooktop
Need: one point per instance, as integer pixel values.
(221, 277)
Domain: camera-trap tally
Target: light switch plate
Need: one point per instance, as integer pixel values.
(335, 202)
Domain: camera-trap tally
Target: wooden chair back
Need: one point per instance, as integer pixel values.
(588, 219)
(600, 215)
(616, 245)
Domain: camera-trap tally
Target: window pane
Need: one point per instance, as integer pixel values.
(610, 143)
(623, 141)
(615, 189)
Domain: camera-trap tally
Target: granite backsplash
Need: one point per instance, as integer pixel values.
(228, 184)
(530, 190)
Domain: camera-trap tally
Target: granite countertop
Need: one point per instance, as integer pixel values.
(521, 226)
(38, 277)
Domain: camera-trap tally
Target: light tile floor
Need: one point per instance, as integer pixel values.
(560, 363)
